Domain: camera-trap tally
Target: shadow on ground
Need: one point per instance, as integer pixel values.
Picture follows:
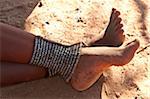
(15, 14)
(53, 88)
(144, 11)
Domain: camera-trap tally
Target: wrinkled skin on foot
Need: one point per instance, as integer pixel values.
(97, 59)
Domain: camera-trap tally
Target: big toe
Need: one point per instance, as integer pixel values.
(116, 15)
(134, 44)
(112, 13)
(128, 52)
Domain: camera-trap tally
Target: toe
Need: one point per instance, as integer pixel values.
(116, 14)
(113, 9)
(120, 31)
(112, 14)
(134, 42)
(118, 27)
(121, 38)
(117, 21)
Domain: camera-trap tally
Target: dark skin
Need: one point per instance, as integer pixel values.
(9, 43)
(17, 48)
(23, 72)
(15, 56)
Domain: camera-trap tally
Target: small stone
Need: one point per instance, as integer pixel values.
(47, 22)
(77, 9)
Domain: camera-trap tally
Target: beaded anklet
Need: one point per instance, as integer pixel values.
(59, 59)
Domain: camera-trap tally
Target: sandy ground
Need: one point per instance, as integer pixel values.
(15, 13)
(53, 88)
(129, 82)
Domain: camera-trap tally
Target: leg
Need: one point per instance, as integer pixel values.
(16, 45)
(20, 43)
(12, 73)
(16, 51)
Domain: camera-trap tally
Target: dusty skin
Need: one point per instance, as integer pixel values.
(88, 72)
(104, 57)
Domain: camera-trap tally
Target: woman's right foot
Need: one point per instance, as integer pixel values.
(97, 59)
(127, 51)
(112, 55)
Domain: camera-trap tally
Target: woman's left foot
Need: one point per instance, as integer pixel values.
(113, 35)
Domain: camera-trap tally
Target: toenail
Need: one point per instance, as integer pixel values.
(122, 30)
(119, 19)
(113, 9)
(118, 13)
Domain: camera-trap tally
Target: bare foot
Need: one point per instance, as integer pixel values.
(113, 35)
(127, 51)
(97, 59)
